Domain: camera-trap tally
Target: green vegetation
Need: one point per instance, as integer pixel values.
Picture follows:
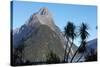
(52, 58)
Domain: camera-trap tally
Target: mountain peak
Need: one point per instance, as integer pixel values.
(44, 11)
(43, 16)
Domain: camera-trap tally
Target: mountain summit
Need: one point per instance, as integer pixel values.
(44, 11)
(43, 16)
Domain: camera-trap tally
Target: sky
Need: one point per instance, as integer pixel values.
(61, 13)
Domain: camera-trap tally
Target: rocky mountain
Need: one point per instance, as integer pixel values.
(92, 44)
(42, 17)
(38, 36)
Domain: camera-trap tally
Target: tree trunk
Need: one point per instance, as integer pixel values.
(65, 50)
(65, 53)
(75, 53)
(80, 57)
(69, 50)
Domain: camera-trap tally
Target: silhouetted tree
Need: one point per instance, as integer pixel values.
(69, 33)
(81, 50)
(83, 33)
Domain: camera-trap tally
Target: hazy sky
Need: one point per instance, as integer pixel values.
(61, 13)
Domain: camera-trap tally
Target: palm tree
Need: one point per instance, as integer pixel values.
(83, 35)
(83, 31)
(65, 53)
(69, 34)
